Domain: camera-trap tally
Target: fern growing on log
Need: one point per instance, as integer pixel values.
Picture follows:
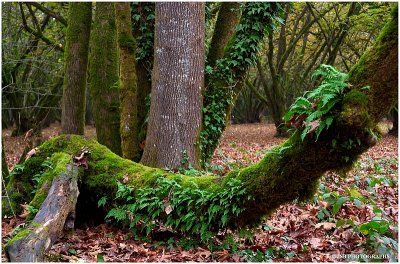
(314, 111)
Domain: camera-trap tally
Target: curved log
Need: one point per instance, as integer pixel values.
(56, 213)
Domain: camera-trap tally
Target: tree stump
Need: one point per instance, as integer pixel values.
(55, 214)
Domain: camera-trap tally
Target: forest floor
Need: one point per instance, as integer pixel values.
(351, 218)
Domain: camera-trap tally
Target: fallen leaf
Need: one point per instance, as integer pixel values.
(326, 225)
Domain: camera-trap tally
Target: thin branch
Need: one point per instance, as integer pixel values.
(49, 12)
(35, 33)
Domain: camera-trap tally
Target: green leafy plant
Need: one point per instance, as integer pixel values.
(314, 111)
(191, 210)
(18, 169)
(37, 178)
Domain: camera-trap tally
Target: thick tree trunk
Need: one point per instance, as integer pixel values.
(76, 60)
(178, 79)
(103, 68)
(128, 85)
(56, 214)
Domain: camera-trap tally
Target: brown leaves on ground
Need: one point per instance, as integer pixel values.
(294, 233)
(14, 146)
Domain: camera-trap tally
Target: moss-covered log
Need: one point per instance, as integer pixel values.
(55, 214)
(291, 171)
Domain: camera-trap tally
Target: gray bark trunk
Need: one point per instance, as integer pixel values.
(178, 78)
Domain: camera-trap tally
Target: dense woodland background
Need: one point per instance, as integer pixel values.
(175, 86)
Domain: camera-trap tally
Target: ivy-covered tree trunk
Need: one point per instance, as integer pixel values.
(76, 60)
(128, 85)
(225, 79)
(228, 18)
(103, 69)
(178, 80)
(290, 171)
(143, 31)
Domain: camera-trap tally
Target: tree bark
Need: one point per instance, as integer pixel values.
(76, 59)
(228, 18)
(56, 214)
(225, 81)
(103, 67)
(128, 85)
(178, 79)
(143, 32)
(4, 165)
(395, 118)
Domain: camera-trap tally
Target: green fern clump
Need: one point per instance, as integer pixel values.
(313, 111)
(190, 210)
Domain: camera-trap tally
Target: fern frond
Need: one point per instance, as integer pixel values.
(314, 116)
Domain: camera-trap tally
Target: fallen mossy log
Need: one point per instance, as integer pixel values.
(290, 171)
(55, 214)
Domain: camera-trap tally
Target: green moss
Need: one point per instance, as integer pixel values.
(355, 97)
(127, 41)
(20, 235)
(307, 194)
(103, 73)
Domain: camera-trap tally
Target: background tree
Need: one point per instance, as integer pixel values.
(143, 17)
(335, 33)
(76, 58)
(32, 74)
(103, 69)
(178, 80)
(128, 83)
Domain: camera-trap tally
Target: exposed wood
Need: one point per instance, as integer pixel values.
(56, 213)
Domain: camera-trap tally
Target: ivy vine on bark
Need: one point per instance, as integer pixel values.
(225, 77)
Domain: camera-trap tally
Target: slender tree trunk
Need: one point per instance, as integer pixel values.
(228, 18)
(128, 85)
(76, 60)
(4, 165)
(395, 118)
(103, 67)
(225, 82)
(143, 32)
(178, 79)
(354, 9)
